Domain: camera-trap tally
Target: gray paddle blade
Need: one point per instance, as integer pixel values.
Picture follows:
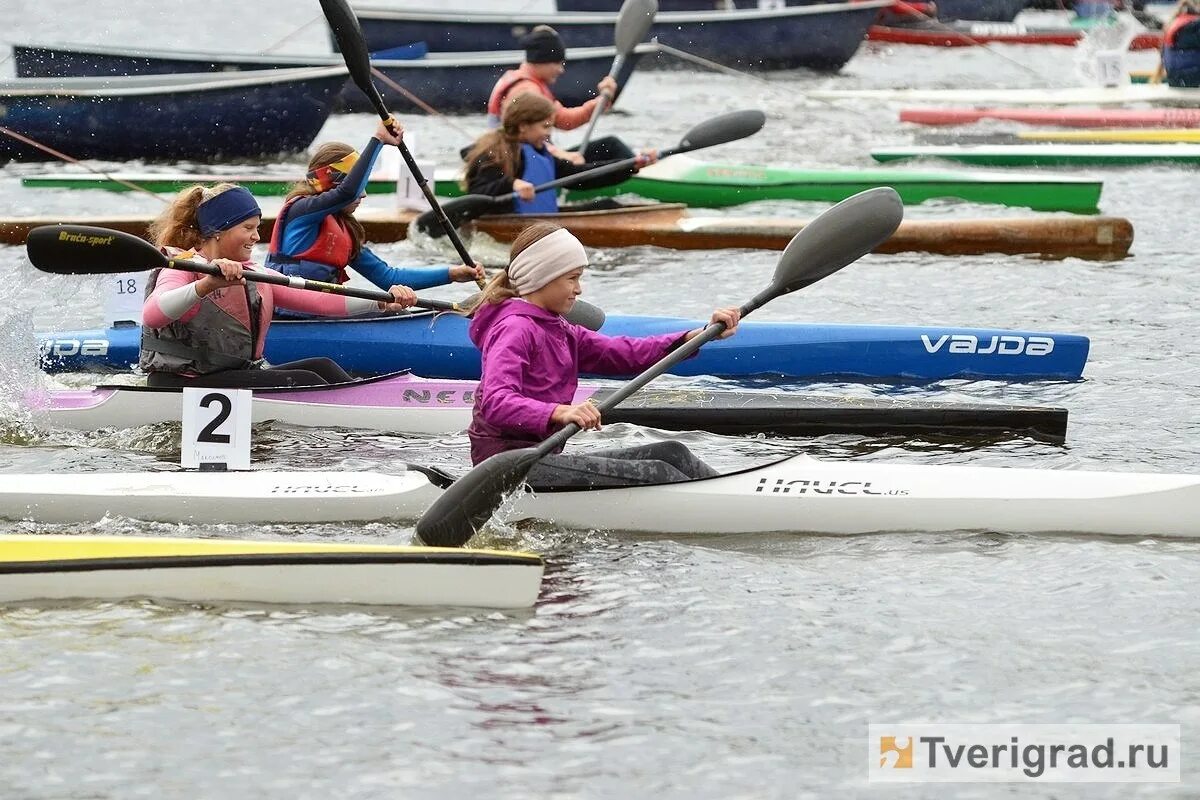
(721, 129)
(634, 23)
(839, 236)
(587, 315)
(471, 500)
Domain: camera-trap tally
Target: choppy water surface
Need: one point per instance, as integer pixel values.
(683, 666)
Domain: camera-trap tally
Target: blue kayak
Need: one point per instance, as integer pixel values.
(438, 347)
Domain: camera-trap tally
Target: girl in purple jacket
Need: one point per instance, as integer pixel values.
(532, 358)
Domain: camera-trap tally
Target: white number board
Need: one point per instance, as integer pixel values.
(1110, 68)
(216, 428)
(123, 296)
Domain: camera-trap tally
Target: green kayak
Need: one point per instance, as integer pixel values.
(1049, 155)
(699, 184)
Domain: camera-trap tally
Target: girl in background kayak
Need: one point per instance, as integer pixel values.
(317, 237)
(532, 358)
(545, 62)
(515, 158)
(203, 330)
(1180, 63)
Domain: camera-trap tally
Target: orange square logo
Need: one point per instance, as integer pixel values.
(896, 752)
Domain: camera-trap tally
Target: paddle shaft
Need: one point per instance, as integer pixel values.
(710, 332)
(601, 103)
(616, 166)
(353, 45)
(633, 23)
(307, 285)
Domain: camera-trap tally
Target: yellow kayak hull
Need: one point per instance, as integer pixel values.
(230, 570)
(1117, 135)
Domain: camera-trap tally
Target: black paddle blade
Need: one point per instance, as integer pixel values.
(459, 210)
(353, 46)
(88, 250)
(471, 500)
(634, 23)
(724, 128)
(841, 235)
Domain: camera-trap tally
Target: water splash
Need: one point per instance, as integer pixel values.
(1099, 56)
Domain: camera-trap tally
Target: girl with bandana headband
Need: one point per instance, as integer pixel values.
(532, 358)
(317, 237)
(204, 330)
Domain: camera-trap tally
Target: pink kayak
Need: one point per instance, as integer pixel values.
(404, 403)
(1065, 117)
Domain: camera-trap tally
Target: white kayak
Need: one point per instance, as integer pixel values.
(798, 495)
(223, 570)
(1152, 93)
(216, 497)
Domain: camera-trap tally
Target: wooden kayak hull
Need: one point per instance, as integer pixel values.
(667, 225)
(1093, 238)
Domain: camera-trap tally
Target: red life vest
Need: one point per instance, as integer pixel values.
(507, 81)
(1172, 31)
(324, 260)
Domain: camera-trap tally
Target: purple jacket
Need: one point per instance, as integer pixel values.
(531, 364)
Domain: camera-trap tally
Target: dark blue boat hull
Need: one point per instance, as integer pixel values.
(818, 41)
(448, 88)
(233, 123)
(439, 348)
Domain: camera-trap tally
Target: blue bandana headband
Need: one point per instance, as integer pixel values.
(221, 212)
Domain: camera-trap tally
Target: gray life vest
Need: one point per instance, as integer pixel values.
(209, 342)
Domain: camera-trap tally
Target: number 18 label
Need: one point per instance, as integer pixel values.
(123, 296)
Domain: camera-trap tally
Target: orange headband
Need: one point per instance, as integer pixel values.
(325, 178)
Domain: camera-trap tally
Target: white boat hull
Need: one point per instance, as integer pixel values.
(212, 570)
(216, 497)
(798, 495)
(804, 495)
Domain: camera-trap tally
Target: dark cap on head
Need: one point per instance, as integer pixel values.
(543, 45)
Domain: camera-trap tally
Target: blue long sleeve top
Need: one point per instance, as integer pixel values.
(302, 222)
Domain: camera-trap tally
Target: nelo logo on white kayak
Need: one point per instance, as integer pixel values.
(781, 486)
(1007, 345)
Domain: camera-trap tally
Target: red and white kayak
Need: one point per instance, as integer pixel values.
(976, 34)
(1063, 117)
(34, 568)
(797, 495)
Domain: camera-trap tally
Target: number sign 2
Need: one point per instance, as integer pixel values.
(216, 428)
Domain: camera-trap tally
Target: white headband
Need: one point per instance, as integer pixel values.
(545, 260)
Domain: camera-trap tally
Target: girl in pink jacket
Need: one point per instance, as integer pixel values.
(203, 330)
(532, 358)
